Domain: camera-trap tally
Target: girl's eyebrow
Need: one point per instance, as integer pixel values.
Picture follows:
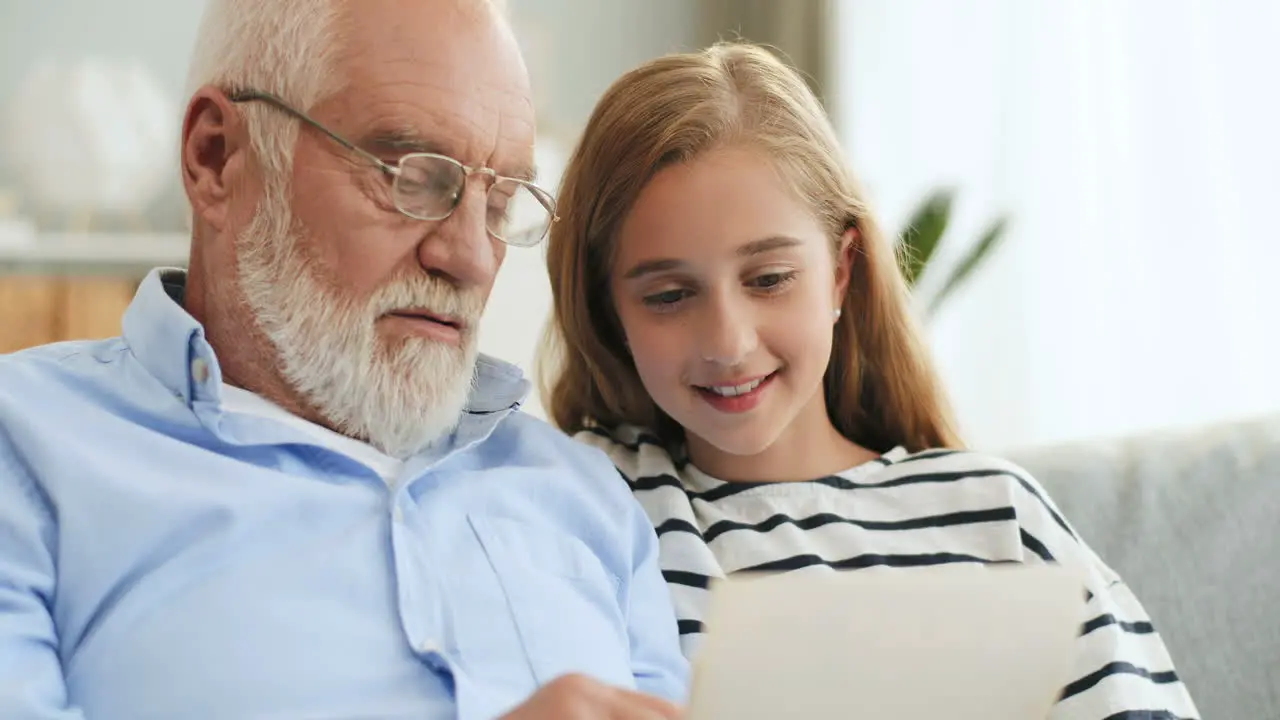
(764, 245)
(755, 247)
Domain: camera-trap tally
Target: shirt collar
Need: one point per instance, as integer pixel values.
(171, 345)
(161, 334)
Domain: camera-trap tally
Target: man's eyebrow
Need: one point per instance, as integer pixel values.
(403, 141)
(409, 141)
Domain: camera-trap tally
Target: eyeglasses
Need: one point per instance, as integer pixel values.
(427, 186)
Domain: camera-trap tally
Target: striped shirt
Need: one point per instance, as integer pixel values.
(901, 510)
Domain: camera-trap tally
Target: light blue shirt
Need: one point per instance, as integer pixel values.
(162, 557)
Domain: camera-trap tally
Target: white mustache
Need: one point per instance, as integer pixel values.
(432, 294)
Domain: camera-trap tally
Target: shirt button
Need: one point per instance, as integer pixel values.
(397, 514)
(200, 370)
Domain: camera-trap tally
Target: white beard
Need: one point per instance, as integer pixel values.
(400, 397)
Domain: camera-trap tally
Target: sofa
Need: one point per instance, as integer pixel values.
(1191, 520)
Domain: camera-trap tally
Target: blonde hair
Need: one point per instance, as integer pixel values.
(880, 387)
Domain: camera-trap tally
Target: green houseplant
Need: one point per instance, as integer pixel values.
(920, 240)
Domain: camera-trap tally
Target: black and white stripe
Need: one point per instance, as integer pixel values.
(902, 510)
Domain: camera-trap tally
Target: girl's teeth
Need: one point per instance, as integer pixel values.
(735, 390)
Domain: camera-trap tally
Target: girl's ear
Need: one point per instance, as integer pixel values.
(846, 251)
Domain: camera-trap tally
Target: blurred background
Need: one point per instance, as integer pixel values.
(1091, 183)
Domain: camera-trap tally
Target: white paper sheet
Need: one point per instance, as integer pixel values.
(960, 643)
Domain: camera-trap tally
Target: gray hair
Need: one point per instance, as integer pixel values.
(286, 47)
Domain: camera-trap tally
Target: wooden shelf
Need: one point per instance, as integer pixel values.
(76, 286)
(113, 254)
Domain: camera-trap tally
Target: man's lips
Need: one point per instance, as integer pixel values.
(428, 325)
(427, 315)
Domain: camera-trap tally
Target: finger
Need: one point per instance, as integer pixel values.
(649, 706)
(636, 712)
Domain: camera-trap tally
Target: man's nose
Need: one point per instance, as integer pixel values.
(728, 332)
(459, 248)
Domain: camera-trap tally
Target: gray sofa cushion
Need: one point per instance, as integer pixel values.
(1191, 520)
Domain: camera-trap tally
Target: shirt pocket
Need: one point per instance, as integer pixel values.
(563, 602)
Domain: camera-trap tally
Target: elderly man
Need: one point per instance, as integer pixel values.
(293, 489)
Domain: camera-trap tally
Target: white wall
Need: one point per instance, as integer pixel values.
(575, 48)
(1134, 146)
(158, 32)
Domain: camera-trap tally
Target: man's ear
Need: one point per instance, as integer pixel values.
(846, 256)
(214, 138)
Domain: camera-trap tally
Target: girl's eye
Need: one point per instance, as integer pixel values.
(772, 281)
(666, 299)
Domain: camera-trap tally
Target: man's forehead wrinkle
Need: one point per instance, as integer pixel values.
(464, 136)
(482, 135)
(444, 95)
(518, 156)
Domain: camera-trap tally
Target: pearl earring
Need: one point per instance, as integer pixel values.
(837, 313)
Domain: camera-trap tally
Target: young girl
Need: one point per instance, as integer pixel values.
(733, 329)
